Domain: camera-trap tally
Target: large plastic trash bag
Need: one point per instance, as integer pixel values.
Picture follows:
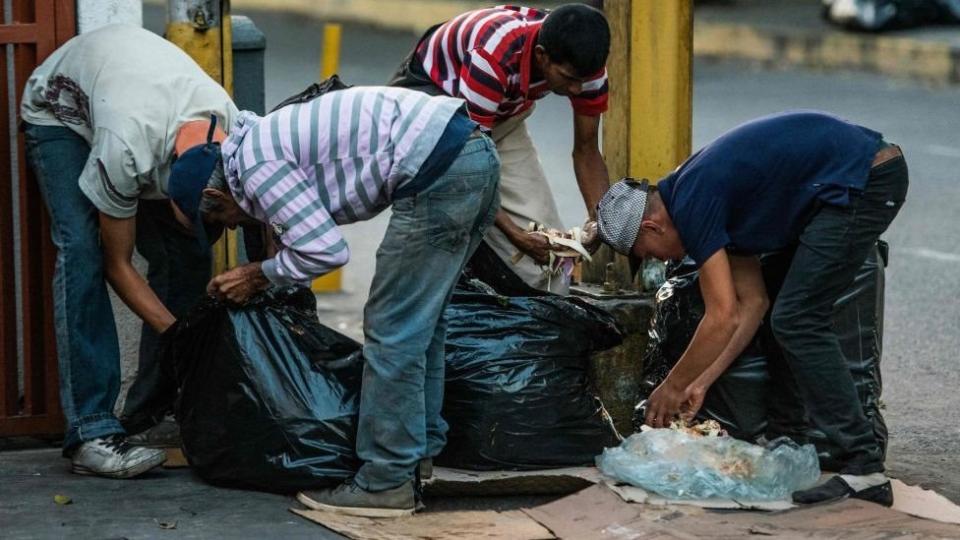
(268, 396)
(517, 389)
(678, 465)
(749, 396)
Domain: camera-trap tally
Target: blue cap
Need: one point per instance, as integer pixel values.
(189, 176)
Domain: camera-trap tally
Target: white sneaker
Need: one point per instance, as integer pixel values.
(114, 457)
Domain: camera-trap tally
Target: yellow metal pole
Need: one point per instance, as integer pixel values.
(329, 64)
(202, 29)
(647, 130)
(660, 86)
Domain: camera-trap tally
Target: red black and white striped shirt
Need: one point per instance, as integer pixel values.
(484, 56)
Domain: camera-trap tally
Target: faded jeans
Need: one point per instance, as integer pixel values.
(832, 248)
(88, 351)
(430, 237)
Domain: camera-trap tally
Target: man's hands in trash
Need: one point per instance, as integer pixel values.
(668, 401)
(591, 236)
(535, 246)
(239, 284)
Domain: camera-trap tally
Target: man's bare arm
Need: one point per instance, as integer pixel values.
(588, 165)
(117, 238)
(713, 335)
(752, 306)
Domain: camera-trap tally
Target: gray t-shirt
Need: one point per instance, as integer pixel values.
(126, 91)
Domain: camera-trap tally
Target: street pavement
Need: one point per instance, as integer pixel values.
(921, 340)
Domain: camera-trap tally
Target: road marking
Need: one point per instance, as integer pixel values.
(942, 151)
(934, 254)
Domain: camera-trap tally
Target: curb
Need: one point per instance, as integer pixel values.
(904, 58)
(929, 61)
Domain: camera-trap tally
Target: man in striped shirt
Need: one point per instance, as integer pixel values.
(308, 168)
(501, 60)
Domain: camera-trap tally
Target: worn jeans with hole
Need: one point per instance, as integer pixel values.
(88, 351)
(430, 237)
(832, 248)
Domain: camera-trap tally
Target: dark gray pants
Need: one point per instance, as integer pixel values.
(832, 248)
(178, 272)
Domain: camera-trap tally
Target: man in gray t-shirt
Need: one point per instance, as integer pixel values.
(105, 117)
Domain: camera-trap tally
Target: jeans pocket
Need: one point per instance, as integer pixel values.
(451, 216)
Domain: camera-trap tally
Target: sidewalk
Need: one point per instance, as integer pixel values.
(781, 33)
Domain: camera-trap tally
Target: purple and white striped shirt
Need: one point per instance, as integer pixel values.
(307, 168)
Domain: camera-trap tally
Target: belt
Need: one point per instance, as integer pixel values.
(886, 154)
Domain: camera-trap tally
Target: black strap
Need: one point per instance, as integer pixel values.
(213, 126)
(314, 91)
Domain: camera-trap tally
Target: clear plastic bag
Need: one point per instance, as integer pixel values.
(678, 465)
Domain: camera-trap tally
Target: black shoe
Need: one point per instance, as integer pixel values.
(836, 489)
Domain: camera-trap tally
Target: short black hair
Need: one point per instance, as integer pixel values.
(578, 35)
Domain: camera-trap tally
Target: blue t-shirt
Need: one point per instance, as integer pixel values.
(753, 190)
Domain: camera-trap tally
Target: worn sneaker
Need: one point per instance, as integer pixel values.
(114, 457)
(166, 434)
(349, 498)
(872, 488)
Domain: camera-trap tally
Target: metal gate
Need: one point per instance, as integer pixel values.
(29, 389)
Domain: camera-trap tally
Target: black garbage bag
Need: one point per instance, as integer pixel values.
(486, 266)
(517, 390)
(268, 396)
(748, 396)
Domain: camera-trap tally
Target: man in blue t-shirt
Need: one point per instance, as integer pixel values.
(806, 181)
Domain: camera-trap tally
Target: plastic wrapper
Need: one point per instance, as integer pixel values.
(517, 390)
(678, 465)
(752, 393)
(268, 396)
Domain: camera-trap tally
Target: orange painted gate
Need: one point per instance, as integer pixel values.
(29, 390)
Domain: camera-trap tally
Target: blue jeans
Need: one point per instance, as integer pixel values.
(430, 237)
(88, 351)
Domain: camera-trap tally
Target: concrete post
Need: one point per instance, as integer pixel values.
(92, 14)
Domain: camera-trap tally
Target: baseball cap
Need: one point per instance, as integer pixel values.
(620, 212)
(198, 158)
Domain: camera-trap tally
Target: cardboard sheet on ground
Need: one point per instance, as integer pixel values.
(599, 512)
(607, 511)
(489, 525)
(458, 482)
(924, 503)
(633, 494)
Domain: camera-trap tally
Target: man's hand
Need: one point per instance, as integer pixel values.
(239, 284)
(591, 236)
(535, 246)
(695, 396)
(664, 404)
